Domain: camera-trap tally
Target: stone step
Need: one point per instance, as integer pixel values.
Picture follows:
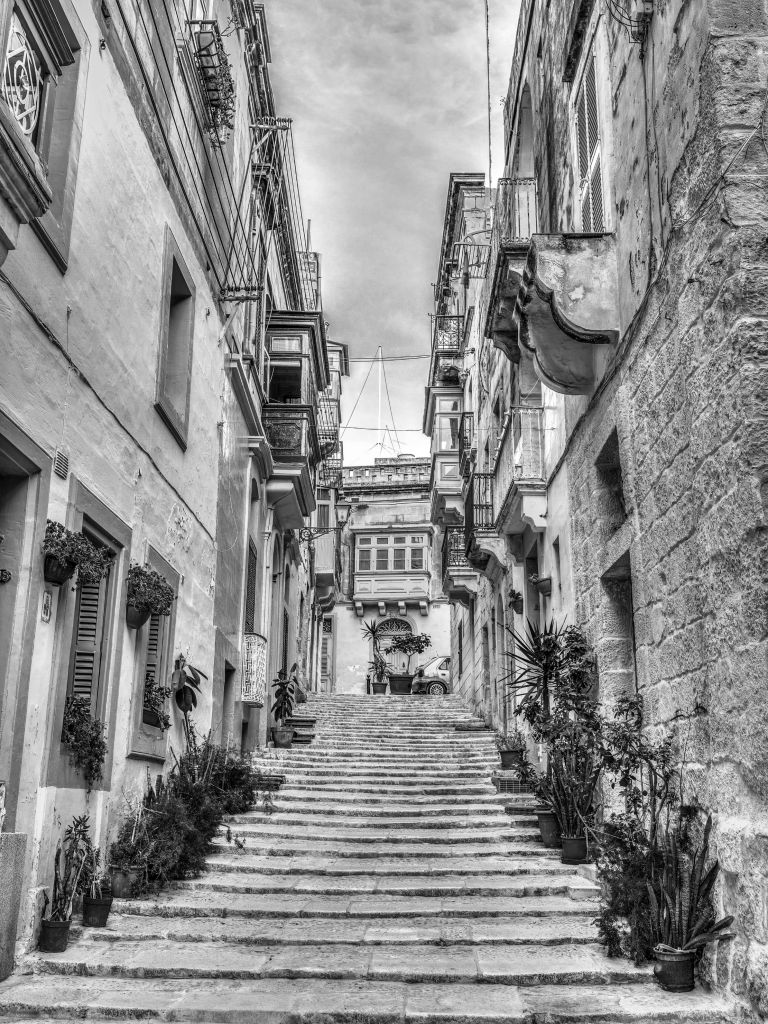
(271, 1001)
(289, 846)
(227, 859)
(309, 758)
(500, 964)
(397, 835)
(296, 771)
(213, 903)
(383, 887)
(487, 810)
(308, 818)
(374, 795)
(545, 931)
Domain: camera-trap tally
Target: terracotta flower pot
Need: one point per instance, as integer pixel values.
(379, 687)
(574, 850)
(550, 830)
(54, 936)
(511, 758)
(135, 617)
(96, 911)
(282, 737)
(123, 881)
(57, 572)
(674, 971)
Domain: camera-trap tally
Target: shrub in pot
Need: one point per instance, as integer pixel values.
(408, 644)
(511, 748)
(84, 736)
(282, 708)
(379, 673)
(681, 915)
(148, 593)
(516, 601)
(96, 890)
(65, 551)
(72, 854)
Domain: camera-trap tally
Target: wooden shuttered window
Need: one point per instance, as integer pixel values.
(88, 641)
(152, 662)
(250, 590)
(589, 153)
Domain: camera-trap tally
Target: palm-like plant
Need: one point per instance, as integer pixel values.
(284, 694)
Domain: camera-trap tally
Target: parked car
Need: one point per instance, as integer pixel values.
(434, 677)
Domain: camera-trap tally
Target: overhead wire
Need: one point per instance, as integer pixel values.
(389, 402)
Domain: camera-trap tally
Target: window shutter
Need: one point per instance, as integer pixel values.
(152, 661)
(89, 633)
(589, 155)
(250, 590)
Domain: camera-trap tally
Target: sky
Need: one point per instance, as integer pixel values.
(387, 97)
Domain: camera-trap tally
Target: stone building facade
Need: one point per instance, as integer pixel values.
(167, 388)
(390, 568)
(613, 367)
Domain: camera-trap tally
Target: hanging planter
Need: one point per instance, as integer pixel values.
(516, 602)
(65, 551)
(542, 584)
(148, 593)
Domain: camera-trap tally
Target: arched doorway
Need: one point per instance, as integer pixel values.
(390, 628)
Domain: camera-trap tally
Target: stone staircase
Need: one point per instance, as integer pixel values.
(391, 885)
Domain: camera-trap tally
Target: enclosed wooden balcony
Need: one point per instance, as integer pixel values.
(519, 485)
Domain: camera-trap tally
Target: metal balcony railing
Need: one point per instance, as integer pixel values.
(515, 219)
(479, 505)
(291, 432)
(446, 333)
(454, 550)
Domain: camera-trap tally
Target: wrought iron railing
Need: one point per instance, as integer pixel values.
(515, 219)
(479, 505)
(447, 332)
(454, 550)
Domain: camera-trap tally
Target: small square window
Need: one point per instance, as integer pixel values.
(364, 540)
(382, 540)
(399, 540)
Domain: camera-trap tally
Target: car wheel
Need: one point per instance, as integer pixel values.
(437, 689)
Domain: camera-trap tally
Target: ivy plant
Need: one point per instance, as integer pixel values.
(84, 735)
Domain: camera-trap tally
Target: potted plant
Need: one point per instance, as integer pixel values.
(378, 664)
(155, 704)
(542, 584)
(148, 593)
(511, 748)
(128, 853)
(407, 644)
(516, 601)
(68, 866)
(84, 736)
(282, 708)
(681, 915)
(379, 672)
(65, 551)
(96, 889)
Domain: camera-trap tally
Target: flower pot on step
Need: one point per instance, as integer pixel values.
(400, 685)
(511, 758)
(54, 936)
(57, 572)
(96, 911)
(282, 737)
(574, 850)
(123, 881)
(135, 617)
(674, 970)
(550, 830)
(379, 687)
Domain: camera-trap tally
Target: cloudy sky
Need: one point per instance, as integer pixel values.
(387, 98)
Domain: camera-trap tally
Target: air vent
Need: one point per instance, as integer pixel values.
(61, 464)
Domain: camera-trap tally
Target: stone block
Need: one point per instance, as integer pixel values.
(13, 848)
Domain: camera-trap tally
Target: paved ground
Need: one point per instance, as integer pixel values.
(390, 885)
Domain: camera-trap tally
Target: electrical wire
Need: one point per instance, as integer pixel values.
(357, 400)
(389, 403)
(488, 85)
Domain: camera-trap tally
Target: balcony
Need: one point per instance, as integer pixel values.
(329, 474)
(292, 435)
(460, 581)
(467, 446)
(566, 309)
(447, 336)
(485, 550)
(515, 221)
(327, 569)
(401, 588)
(519, 485)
